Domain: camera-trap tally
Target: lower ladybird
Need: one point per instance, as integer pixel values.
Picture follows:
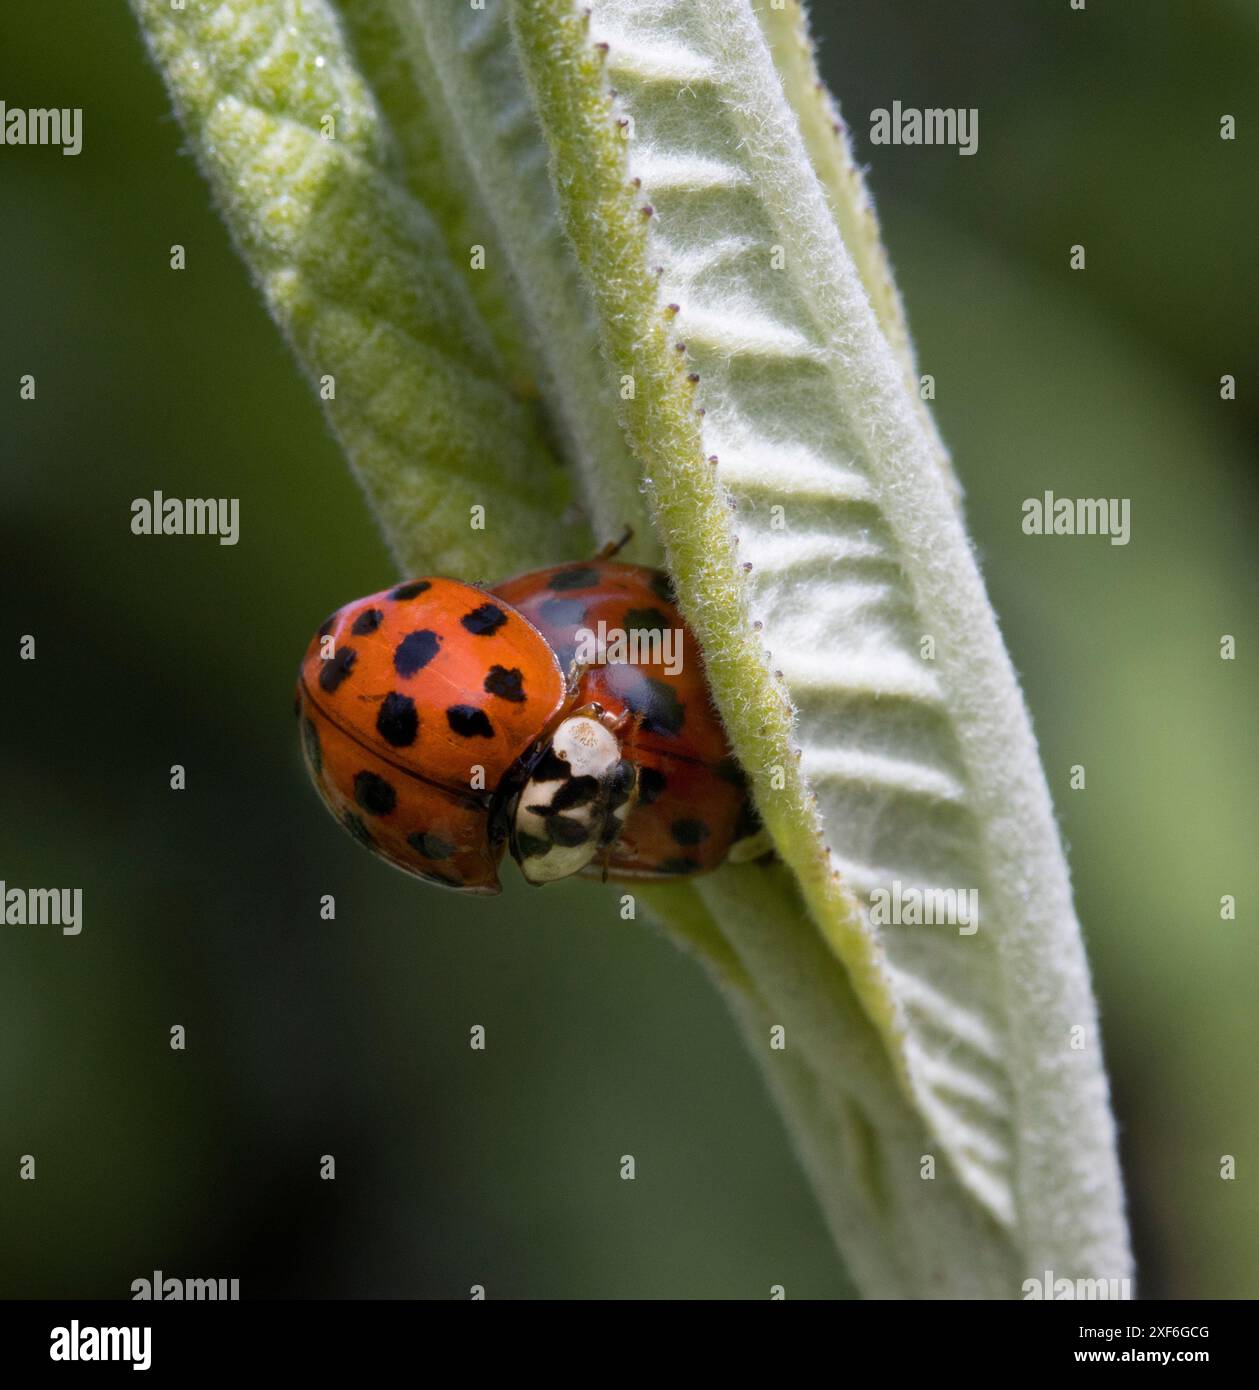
(562, 716)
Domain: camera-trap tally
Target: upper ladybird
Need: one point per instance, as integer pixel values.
(618, 627)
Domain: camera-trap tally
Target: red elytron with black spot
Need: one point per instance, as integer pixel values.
(444, 724)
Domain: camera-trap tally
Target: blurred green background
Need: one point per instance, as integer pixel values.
(307, 1037)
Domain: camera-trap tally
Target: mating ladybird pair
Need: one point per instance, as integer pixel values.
(444, 723)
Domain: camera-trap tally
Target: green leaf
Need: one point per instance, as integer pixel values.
(865, 1150)
(493, 149)
(353, 266)
(699, 298)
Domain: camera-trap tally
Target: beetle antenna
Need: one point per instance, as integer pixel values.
(614, 547)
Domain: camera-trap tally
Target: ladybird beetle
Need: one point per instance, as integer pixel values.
(444, 724)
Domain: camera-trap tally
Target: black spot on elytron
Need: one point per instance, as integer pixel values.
(367, 622)
(310, 736)
(748, 822)
(550, 767)
(336, 670)
(562, 612)
(645, 620)
(620, 785)
(374, 794)
(484, 621)
(328, 624)
(677, 866)
(577, 791)
(506, 684)
(651, 782)
(415, 651)
(658, 704)
(529, 846)
(574, 579)
(354, 824)
(730, 771)
(412, 590)
(397, 723)
(688, 831)
(566, 831)
(429, 845)
(662, 586)
(469, 722)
